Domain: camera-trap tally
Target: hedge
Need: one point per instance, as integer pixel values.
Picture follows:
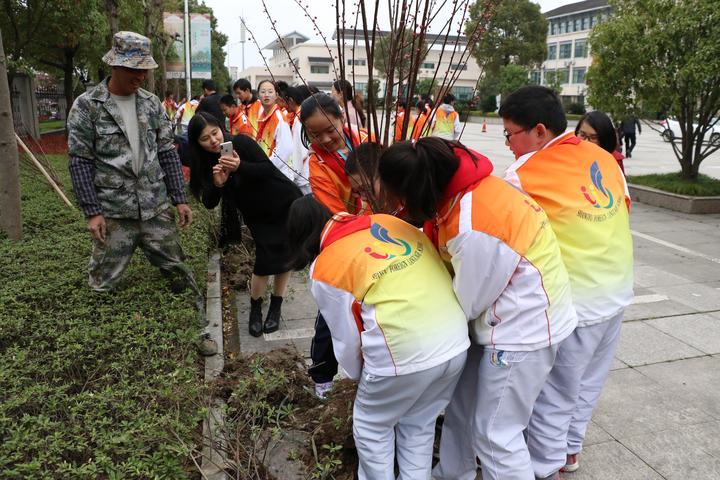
(93, 385)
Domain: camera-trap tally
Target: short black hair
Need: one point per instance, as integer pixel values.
(603, 126)
(448, 98)
(364, 159)
(534, 104)
(209, 85)
(228, 100)
(297, 94)
(305, 223)
(401, 103)
(242, 84)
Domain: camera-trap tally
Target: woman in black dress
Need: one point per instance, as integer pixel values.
(262, 194)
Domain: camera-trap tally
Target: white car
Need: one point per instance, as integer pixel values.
(672, 130)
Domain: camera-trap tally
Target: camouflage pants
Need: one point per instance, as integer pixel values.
(157, 238)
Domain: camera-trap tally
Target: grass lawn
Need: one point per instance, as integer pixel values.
(93, 385)
(671, 182)
(51, 125)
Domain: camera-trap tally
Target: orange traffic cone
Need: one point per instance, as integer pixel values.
(484, 127)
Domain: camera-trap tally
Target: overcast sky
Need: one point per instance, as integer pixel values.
(289, 17)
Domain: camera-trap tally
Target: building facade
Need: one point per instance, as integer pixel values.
(316, 64)
(568, 53)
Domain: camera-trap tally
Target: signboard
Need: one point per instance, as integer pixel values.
(175, 60)
(200, 45)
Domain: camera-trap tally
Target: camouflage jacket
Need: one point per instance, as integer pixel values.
(100, 153)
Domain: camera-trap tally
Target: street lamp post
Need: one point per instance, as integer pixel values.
(188, 90)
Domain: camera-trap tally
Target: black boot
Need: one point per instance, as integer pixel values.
(256, 317)
(272, 321)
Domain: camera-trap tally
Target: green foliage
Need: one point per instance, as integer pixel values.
(516, 33)
(426, 86)
(663, 56)
(575, 108)
(92, 385)
(511, 78)
(703, 186)
(489, 104)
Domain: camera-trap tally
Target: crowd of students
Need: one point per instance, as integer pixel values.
(498, 299)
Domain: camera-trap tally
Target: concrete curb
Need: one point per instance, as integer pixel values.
(213, 452)
(674, 201)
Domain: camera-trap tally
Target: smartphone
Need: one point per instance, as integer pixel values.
(226, 149)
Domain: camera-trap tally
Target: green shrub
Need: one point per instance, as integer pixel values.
(93, 385)
(704, 186)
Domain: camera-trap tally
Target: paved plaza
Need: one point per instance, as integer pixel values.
(659, 416)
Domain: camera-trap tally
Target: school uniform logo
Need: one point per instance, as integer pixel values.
(386, 247)
(597, 194)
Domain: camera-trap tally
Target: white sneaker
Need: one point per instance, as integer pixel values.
(322, 389)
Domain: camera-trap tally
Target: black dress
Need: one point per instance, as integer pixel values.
(263, 195)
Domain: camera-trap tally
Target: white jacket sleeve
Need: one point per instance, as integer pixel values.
(458, 128)
(282, 154)
(299, 156)
(483, 267)
(336, 307)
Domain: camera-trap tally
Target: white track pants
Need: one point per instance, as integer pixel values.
(398, 414)
(565, 405)
(497, 393)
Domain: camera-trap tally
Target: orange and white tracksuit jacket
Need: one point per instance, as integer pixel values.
(275, 138)
(386, 296)
(583, 191)
(447, 123)
(509, 275)
(328, 180)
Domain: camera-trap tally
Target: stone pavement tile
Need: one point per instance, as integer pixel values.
(299, 302)
(641, 344)
(650, 253)
(695, 295)
(618, 364)
(688, 452)
(652, 276)
(664, 308)
(611, 460)
(686, 234)
(700, 331)
(694, 380)
(709, 247)
(634, 404)
(696, 270)
(595, 434)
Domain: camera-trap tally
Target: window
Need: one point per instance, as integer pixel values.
(357, 62)
(586, 22)
(580, 48)
(428, 65)
(457, 66)
(563, 75)
(565, 50)
(319, 69)
(549, 77)
(578, 24)
(578, 75)
(552, 51)
(553, 28)
(360, 87)
(562, 28)
(463, 93)
(535, 77)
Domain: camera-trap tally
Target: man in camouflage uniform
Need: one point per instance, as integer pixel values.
(125, 172)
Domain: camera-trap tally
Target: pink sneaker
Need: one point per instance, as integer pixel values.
(571, 464)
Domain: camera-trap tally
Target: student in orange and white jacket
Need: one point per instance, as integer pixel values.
(583, 191)
(325, 133)
(512, 284)
(273, 133)
(396, 326)
(447, 121)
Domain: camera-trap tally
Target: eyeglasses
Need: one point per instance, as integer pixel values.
(588, 136)
(510, 134)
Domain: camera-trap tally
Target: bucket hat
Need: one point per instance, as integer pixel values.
(130, 50)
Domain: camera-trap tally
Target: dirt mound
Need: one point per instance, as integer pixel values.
(269, 394)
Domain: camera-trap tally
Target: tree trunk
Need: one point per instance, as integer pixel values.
(150, 33)
(10, 218)
(113, 17)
